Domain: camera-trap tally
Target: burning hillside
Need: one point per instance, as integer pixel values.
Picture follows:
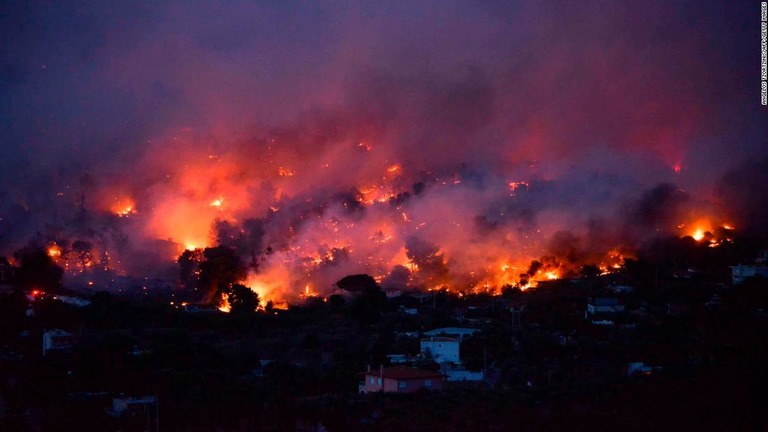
(470, 150)
(358, 212)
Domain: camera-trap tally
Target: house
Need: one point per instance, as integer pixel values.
(454, 332)
(57, 340)
(603, 305)
(400, 379)
(442, 349)
(742, 271)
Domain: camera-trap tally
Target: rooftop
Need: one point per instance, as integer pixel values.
(404, 372)
(439, 339)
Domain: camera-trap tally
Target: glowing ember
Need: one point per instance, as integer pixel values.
(285, 172)
(217, 202)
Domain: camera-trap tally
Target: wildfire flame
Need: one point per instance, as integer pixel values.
(705, 230)
(224, 305)
(54, 251)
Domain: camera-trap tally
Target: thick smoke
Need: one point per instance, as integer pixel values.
(424, 143)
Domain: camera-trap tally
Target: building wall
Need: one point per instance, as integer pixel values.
(442, 351)
(391, 385)
(373, 383)
(464, 375)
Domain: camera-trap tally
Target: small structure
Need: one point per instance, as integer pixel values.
(742, 271)
(124, 405)
(73, 301)
(401, 379)
(393, 293)
(457, 372)
(398, 358)
(634, 368)
(139, 412)
(57, 340)
(622, 289)
(442, 349)
(603, 305)
(454, 332)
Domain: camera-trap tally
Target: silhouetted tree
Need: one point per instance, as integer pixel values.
(37, 269)
(189, 267)
(221, 267)
(590, 271)
(242, 299)
(12, 311)
(370, 301)
(357, 283)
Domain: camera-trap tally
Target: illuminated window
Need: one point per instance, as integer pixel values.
(373, 381)
(427, 383)
(402, 384)
(378, 381)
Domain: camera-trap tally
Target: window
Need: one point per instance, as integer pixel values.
(378, 381)
(428, 383)
(402, 384)
(373, 380)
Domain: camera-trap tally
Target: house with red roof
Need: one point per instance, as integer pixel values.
(401, 379)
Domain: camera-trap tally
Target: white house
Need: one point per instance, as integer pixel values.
(743, 271)
(442, 349)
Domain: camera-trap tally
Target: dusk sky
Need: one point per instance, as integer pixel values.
(265, 105)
